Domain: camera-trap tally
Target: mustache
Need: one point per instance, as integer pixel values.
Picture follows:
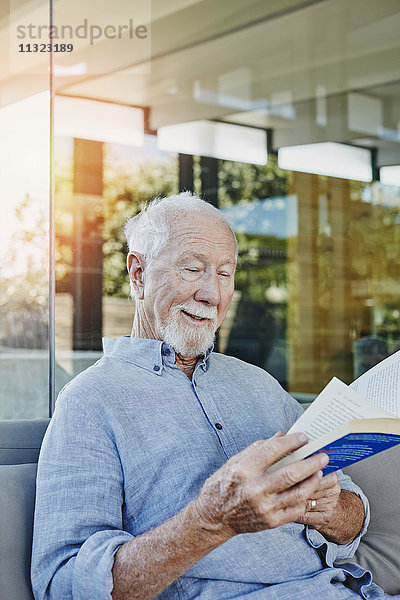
(198, 310)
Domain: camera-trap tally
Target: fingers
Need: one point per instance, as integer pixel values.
(264, 453)
(299, 494)
(291, 475)
(329, 481)
(329, 487)
(322, 502)
(286, 514)
(292, 504)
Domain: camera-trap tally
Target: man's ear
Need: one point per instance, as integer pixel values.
(135, 264)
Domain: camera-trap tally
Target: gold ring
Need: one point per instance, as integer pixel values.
(313, 504)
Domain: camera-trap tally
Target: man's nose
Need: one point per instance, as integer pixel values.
(209, 290)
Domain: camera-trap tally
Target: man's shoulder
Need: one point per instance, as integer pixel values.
(237, 365)
(248, 380)
(97, 381)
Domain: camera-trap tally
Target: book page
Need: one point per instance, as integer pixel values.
(336, 404)
(381, 384)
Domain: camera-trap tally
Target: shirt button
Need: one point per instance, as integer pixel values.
(218, 425)
(156, 368)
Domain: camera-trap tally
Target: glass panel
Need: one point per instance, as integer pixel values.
(24, 200)
(317, 283)
(343, 280)
(264, 217)
(92, 285)
(318, 266)
(317, 287)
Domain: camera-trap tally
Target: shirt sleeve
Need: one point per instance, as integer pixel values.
(334, 552)
(78, 525)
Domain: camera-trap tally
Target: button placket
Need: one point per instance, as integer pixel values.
(213, 416)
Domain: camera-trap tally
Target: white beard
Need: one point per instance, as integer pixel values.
(186, 339)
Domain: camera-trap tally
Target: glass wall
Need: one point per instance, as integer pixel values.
(92, 287)
(24, 224)
(204, 96)
(317, 290)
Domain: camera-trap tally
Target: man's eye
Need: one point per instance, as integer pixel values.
(225, 274)
(192, 270)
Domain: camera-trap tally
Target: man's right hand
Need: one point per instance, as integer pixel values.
(242, 497)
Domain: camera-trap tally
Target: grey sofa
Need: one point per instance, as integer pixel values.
(20, 442)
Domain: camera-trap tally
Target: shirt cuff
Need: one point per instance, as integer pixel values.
(93, 565)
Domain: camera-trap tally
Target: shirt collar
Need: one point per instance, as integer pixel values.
(151, 355)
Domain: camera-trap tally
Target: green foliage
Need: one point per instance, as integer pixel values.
(126, 190)
(127, 187)
(260, 320)
(241, 182)
(24, 281)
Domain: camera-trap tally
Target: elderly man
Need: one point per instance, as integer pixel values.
(153, 479)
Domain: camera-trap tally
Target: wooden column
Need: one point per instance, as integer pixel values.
(209, 179)
(87, 272)
(185, 172)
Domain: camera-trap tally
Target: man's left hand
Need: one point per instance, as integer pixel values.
(337, 514)
(320, 509)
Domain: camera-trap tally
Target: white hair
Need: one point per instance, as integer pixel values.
(148, 231)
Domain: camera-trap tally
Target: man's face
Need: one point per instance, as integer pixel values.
(188, 287)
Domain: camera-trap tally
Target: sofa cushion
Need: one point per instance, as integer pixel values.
(20, 440)
(17, 499)
(379, 551)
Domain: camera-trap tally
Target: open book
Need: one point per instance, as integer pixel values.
(352, 422)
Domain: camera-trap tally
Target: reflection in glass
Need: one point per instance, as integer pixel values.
(317, 283)
(24, 151)
(92, 286)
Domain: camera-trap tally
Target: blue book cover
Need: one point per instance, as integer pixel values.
(354, 447)
(354, 440)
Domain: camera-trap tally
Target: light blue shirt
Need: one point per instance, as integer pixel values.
(131, 443)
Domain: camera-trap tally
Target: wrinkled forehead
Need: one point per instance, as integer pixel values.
(201, 234)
